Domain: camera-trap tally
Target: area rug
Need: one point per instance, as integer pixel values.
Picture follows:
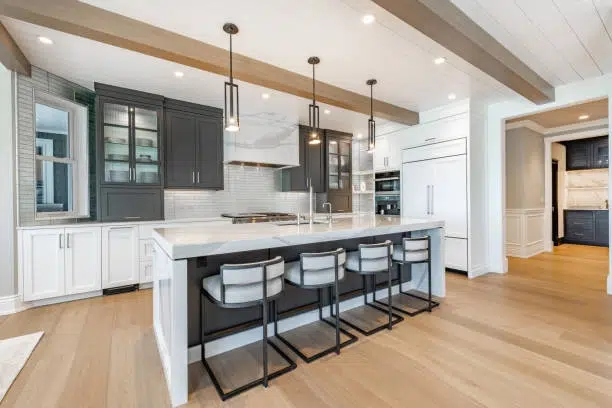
(14, 353)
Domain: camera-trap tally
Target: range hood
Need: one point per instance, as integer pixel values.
(264, 140)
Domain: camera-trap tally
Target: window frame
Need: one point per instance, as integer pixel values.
(77, 155)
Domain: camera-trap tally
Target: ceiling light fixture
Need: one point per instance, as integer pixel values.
(368, 19)
(359, 135)
(583, 117)
(371, 122)
(327, 111)
(439, 60)
(179, 74)
(265, 96)
(313, 109)
(452, 97)
(232, 111)
(45, 40)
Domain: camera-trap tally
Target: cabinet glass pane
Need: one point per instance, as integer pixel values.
(345, 182)
(116, 114)
(333, 182)
(333, 147)
(147, 149)
(51, 132)
(145, 119)
(116, 145)
(333, 164)
(53, 186)
(147, 173)
(345, 148)
(344, 164)
(116, 172)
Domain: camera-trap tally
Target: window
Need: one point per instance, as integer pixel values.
(61, 161)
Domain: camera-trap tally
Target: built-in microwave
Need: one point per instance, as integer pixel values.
(387, 183)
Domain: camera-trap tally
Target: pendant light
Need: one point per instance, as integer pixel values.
(232, 109)
(371, 123)
(313, 109)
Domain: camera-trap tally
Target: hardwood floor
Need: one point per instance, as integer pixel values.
(540, 336)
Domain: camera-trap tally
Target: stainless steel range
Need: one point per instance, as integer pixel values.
(246, 218)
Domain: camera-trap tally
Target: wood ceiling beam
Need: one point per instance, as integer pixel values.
(77, 18)
(10, 54)
(447, 25)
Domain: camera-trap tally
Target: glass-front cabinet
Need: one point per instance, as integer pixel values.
(339, 170)
(130, 144)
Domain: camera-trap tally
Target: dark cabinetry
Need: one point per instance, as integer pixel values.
(194, 146)
(586, 227)
(311, 168)
(587, 153)
(339, 170)
(129, 154)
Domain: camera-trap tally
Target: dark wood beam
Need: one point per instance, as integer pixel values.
(77, 18)
(447, 25)
(10, 54)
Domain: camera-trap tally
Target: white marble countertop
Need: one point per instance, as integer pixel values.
(202, 240)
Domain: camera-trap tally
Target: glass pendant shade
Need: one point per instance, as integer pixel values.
(313, 110)
(231, 98)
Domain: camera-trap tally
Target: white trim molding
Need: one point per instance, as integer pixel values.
(11, 304)
(525, 232)
(530, 124)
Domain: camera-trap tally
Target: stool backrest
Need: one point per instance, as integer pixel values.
(375, 257)
(322, 260)
(249, 273)
(416, 249)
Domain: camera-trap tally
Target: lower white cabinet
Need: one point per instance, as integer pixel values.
(120, 262)
(59, 262)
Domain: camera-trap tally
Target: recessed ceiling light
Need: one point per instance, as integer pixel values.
(439, 60)
(583, 117)
(359, 135)
(265, 95)
(45, 40)
(368, 19)
(327, 111)
(179, 74)
(452, 96)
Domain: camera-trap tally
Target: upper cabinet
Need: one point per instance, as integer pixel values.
(129, 154)
(311, 169)
(587, 154)
(194, 146)
(339, 170)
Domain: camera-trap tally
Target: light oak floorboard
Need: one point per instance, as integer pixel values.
(539, 336)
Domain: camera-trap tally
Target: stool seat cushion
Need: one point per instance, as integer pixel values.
(411, 256)
(241, 293)
(313, 276)
(370, 265)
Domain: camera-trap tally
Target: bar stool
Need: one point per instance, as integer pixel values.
(369, 260)
(242, 286)
(414, 251)
(318, 271)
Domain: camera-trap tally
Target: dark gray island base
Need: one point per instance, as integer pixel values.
(183, 256)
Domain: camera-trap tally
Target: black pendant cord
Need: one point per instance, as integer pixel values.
(231, 63)
(313, 85)
(372, 101)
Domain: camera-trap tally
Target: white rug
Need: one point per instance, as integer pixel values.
(14, 353)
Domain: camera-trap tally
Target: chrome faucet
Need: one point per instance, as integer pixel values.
(329, 217)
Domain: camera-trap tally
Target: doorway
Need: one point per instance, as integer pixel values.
(555, 202)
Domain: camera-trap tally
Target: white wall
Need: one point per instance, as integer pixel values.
(524, 169)
(8, 280)
(579, 92)
(558, 152)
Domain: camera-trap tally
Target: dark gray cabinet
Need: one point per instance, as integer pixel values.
(311, 169)
(194, 146)
(129, 154)
(588, 227)
(587, 153)
(339, 170)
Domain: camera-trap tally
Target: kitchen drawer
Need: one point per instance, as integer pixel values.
(146, 249)
(146, 272)
(434, 151)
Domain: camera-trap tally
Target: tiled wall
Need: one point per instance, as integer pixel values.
(47, 82)
(247, 189)
(587, 188)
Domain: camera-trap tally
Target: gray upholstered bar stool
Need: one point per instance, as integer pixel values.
(318, 271)
(413, 251)
(370, 260)
(243, 286)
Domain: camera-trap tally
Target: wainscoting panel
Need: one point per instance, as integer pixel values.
(524, 232)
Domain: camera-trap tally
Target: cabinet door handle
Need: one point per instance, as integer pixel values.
(67, 240)
(432, 200)
(193, 177)
(130, 218)
(427, 192)
(198, 177)
(60, 241)
(430, 139)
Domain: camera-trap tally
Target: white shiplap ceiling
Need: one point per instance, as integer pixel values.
(562, 40)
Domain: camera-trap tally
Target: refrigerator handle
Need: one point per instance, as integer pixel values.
(428, 199)
(432, 199)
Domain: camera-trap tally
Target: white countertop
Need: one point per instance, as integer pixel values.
(194, 241)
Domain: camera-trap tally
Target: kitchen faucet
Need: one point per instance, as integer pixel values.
(329, 217)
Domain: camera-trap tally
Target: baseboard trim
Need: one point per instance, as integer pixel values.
(10, 304)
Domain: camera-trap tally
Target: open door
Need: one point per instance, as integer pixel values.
(555, 204)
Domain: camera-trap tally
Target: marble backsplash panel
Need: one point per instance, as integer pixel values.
(587, 188)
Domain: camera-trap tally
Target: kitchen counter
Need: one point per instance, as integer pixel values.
(586, 209)
(184, 255)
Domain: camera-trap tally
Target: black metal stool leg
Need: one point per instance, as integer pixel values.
(337, 313)
(429, 285)
(389, 301)
(264, 309)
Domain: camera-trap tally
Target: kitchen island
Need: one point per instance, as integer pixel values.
(184, 255)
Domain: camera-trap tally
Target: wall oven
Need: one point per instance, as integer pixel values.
(387, 183)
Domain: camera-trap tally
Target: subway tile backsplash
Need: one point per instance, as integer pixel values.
(247, 189)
